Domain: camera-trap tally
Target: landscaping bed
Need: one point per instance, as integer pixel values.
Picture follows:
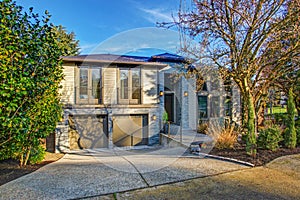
(262, 157)
(10, 169)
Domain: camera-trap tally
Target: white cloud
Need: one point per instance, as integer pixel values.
(157, 15)
(87, 48)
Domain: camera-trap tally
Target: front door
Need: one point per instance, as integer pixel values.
(169, 106)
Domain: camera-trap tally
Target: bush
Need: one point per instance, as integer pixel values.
(227, 138)
(281, 118)
(298, 135)
(202, 128)
(37, 155)
(297, 127)
(269, 138)
(290, 137)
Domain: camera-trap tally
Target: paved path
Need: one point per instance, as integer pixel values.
(93, 173)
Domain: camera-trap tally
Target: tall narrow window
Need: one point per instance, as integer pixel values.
(124, 84)
(215, 107)
(227, 106)
(202, 107)
(83, 83)
(89, 86)
(136, 84)
(96, 83)
(130, 86)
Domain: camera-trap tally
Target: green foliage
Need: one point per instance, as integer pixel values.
(297, 127)
(281, 118)
(269, 138)
(290, 137)
(30, 77)
(66, 41)
(165, 117)
(37, 155)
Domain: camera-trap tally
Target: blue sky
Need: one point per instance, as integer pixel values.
(113, 26)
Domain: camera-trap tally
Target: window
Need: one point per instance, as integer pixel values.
(227, 106)
(89, 86)
(202, 107)
(215, 107)
(130, 86)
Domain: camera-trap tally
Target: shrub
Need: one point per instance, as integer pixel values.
(165, 117)
(202, 128)
(297, 127)
(37, 155)
(269, 138)
(290, 137)
(281, 118)
(227, 138)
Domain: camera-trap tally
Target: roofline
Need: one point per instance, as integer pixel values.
(66, 59)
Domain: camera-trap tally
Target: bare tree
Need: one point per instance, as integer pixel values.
(236, 36)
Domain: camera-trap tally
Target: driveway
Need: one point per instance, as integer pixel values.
(91, 173)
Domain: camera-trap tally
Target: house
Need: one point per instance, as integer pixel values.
(118, 101)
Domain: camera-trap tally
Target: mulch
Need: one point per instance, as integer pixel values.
(10, 170)
(262, 157)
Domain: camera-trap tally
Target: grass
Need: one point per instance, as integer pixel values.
(278, 109)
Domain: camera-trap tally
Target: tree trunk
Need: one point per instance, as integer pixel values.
(251, 124)
(27, 156)
(21, 159)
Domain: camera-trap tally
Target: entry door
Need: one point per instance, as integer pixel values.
(169, 106)
(130, 130)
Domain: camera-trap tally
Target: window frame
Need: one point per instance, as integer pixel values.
(205, 116)
(90, 100)
(130, 92)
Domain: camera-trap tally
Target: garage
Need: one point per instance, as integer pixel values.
(130, 130)
(88, 131)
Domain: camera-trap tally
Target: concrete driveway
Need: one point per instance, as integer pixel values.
(91, 173)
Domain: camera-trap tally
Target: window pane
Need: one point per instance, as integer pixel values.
(227, 105)
(83, 83)
(96, 83)
(136, 83)
(215, 107)
(202, 107)
(124, 84)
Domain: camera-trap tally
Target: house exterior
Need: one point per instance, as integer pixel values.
(118, 101)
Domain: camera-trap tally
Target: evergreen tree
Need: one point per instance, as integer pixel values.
(290, 132)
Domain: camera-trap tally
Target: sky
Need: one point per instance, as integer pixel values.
(114, 26)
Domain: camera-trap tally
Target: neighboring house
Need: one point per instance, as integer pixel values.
(118, 101)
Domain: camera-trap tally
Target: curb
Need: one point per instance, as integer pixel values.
(205, 155)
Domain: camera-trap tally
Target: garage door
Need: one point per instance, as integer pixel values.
(88, 131)
(130, 130)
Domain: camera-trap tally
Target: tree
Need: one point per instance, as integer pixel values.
(281, 42)
(30, 77)
(290, 139)
(66, 41)
(235, 36)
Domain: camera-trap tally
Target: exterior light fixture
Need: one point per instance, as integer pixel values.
(185, 94)
(154, 117)
(161, 93)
